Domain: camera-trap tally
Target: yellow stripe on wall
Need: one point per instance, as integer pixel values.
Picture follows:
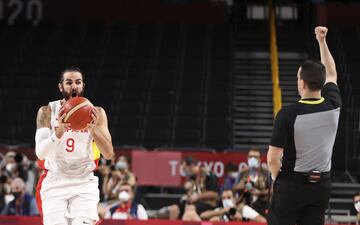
(277, 101)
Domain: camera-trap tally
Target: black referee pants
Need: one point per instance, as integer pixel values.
(299, 202)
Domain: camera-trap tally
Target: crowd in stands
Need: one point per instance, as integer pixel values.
(243, 196)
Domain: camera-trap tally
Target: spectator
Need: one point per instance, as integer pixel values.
(27, 171)
(202, 190)
(232, 173)
(23, 204)
(102, 172)
(10, 163)
(118, 174)
(357, 205)
(253, 183)
(230, 211)
(201, 194)
(125, 208)
(4, 190)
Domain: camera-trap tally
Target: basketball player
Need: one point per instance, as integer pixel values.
(67, 192)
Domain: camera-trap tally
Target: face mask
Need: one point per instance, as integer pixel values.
(10, 167)
(228, 203)
(253, 162)
(121, 165)
(17, 194)
(190, 175)
(124, 196)
(234, 175)
(357, 206)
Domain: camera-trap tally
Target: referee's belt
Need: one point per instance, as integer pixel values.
(312, 176)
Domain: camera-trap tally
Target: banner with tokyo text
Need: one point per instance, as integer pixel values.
(162, 168)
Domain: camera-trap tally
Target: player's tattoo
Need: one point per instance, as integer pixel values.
(44, 117)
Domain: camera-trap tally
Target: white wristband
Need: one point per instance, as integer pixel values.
(45, 142)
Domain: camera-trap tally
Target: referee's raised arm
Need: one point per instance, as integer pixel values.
(325, 55)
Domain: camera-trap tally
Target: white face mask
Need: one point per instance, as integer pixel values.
(10, 167)
(121, 165)
(124, 196)
(253, 162)
(234, 175)
(228, 203)
(357, 206)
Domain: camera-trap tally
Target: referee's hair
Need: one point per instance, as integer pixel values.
(313, 73)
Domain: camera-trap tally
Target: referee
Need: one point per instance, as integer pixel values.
(299, 156)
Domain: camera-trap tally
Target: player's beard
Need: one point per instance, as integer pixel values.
(72, 93)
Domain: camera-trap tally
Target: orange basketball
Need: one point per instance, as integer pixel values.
(78, 112)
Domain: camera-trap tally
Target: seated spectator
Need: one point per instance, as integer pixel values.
(357, 205)
(253, 183)
(202, 190)
(10, 164)
(102, 172)
(230, 211)
(232, 173)
(4, 190)
(201, 194)
(118, 174)
(125, 208)
(23, 204)
(27, 171)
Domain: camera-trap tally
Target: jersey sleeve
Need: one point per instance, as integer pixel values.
(331, 92)
(280, 131)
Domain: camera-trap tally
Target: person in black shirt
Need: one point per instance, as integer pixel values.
(299, 156)
(201, 188)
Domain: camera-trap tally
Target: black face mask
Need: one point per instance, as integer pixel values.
(17, 194)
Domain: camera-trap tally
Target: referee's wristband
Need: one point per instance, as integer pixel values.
(54, 138)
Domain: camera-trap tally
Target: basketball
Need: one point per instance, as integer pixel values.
(78, 110)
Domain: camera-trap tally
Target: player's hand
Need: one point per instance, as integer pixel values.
(320, 33)
(62, 127)
(95, 120)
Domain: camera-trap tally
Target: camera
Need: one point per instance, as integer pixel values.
(232, 212)
(229, 216)
(3, 179)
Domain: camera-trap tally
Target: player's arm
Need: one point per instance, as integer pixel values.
(274, 160)
(100, 132)
(44, 140)
(325, 55)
